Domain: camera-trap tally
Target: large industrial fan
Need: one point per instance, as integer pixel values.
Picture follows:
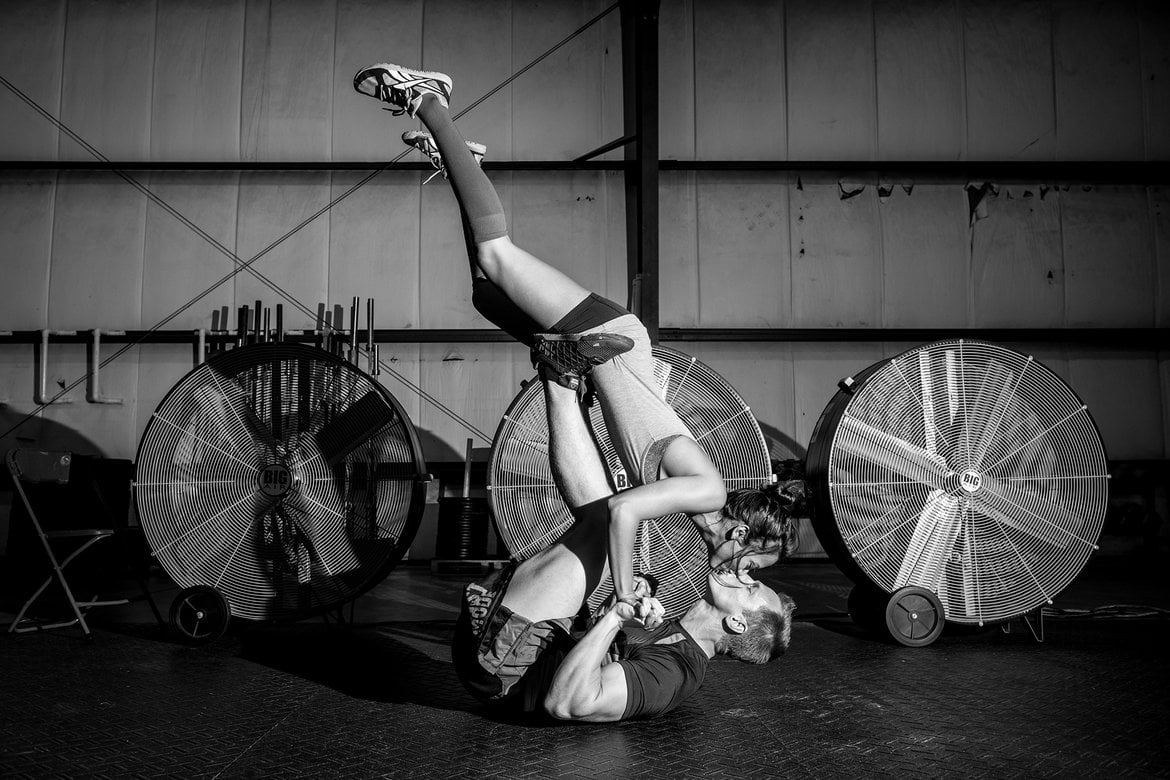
(530, 513)
(959, 481)
(276, 481)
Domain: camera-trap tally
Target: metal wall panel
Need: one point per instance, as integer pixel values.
(926, 279)
(271, 205)
(831, 100)
(1155, 79)
(561, 219)
(1097, 53)
(287, 95)
(111, 427)
(195, 109)
(472, 42)
(178, 263)
(374, 245)
(1109, 258)
(444, 269)
(919, 80)
(557, 106)
(1007, 57)
(836, 258)
(745, 264)
(107, 78)
(476, 381)
(739, 77)
(369, 32)
(1017, 271)
(26, 222)
(1123, 393)
(1160, 216)
(31, 43)
(816, 370)
(676, 80)
(95, 279)
(678, 250)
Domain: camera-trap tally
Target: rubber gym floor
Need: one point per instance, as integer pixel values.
(377, 697)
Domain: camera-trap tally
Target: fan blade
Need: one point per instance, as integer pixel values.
(237, 401)
(354, 426)
(324, 537)
(863, 441)
(1014, 506)
(989, 410)
(931, 543)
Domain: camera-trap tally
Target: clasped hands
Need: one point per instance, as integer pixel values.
(639, 607)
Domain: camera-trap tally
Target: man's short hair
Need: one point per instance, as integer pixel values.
(766, 636)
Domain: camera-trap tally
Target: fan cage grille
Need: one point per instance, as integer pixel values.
(234, 492)
(530, 513)
(972, 470)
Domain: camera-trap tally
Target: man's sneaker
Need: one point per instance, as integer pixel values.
(421, 140)
(572, 355)
(402, 87)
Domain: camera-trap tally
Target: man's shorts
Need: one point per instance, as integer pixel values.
(502, 657)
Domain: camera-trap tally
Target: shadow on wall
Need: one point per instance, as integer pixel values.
(781, 446)
(36, 433)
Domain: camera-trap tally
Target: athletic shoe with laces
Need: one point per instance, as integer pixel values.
(403, 88)
(570, 356)
(421, 140)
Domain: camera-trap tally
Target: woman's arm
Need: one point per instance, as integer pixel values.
(693, 486)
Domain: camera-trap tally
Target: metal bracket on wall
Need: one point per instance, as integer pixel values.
(200, 345)
(94, 396)
(41, 357)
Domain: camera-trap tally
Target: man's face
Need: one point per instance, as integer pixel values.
(736, 592)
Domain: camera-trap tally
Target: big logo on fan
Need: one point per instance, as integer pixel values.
(275, 480)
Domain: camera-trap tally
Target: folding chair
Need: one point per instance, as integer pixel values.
(41, 467)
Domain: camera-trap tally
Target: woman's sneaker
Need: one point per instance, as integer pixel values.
(403, 88)
(421, 140)
(570, 356)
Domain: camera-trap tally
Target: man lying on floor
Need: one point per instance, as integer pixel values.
(516, 644)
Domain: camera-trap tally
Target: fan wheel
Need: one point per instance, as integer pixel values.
(200, 614)
(911, 616)
(914, 616)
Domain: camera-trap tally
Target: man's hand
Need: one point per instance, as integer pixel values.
(646, 611)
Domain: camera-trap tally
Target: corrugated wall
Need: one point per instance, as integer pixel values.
(248, 80)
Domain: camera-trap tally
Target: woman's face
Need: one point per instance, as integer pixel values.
(732, 555)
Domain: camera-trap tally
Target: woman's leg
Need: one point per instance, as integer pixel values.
(540, 291)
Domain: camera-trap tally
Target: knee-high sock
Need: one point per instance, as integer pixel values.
(474, 191)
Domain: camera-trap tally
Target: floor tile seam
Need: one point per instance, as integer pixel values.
(268, 732)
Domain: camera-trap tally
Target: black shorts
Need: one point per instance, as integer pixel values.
(589, 314)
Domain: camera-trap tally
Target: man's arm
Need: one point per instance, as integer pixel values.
(585, 687)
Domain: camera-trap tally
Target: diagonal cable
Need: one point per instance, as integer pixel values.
(247, 265)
